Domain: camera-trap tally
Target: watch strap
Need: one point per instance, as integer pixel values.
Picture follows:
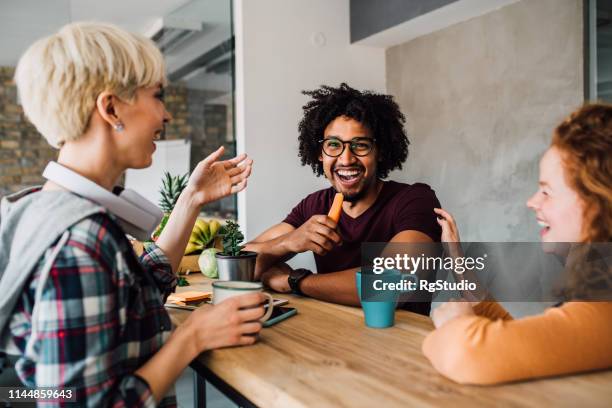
(295, 278)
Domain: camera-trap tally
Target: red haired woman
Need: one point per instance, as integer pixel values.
(483, 344)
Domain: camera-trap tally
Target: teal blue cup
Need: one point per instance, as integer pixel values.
(379, 309)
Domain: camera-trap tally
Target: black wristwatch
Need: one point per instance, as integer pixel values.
(295, 277)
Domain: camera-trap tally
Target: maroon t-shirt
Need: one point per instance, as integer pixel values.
(399, 207)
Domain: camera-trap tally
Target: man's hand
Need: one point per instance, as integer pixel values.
(451, 310)
(318, 235)
(277, 278)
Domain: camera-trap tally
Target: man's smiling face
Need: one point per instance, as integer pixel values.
(349, 174)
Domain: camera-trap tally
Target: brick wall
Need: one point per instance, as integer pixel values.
(204, 117)
(24, 152)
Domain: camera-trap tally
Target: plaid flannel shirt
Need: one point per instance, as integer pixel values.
(101, 317)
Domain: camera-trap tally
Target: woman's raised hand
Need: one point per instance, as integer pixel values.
(452, 246)
(450, 232)
(212, 180)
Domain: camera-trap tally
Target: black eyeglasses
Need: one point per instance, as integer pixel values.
(359, 146)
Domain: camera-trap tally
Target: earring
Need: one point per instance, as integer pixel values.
(118, 127)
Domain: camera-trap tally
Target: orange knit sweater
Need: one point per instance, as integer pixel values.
(491, 347)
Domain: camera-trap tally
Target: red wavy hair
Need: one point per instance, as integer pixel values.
(584, 139)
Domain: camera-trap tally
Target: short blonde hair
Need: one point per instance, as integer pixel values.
(59, 77)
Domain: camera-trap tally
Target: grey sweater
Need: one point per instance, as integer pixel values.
(31, 222)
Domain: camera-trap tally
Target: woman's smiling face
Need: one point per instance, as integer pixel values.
(144, 121)
(558, 208)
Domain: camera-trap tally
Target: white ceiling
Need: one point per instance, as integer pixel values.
(24, 21)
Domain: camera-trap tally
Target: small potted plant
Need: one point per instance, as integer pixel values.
(234, 263)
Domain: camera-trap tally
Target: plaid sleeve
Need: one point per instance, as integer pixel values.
(154, 261)
(80, 338)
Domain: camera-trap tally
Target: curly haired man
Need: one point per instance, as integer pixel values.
(354, 139)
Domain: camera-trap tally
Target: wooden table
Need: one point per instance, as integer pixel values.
(326, 357)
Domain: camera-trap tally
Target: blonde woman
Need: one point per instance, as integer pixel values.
(99, 324)
(484, 344)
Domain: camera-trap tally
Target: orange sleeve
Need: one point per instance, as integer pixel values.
(568, 339)
(492, 310)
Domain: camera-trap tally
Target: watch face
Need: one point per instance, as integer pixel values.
(299, 274)
(295, 277)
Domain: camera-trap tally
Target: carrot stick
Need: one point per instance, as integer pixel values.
(336, 208)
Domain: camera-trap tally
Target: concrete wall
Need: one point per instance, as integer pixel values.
(481, 99)
(283, 47)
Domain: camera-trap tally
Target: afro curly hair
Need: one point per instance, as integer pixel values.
(379, 113)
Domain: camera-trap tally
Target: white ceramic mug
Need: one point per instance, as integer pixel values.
(226, 289)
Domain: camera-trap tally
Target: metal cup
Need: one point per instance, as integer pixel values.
(237, 268)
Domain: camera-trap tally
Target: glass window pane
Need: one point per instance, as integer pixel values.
(604, 50)
(197, 42)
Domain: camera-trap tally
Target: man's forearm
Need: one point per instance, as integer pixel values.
(269, 253)
(336, 287)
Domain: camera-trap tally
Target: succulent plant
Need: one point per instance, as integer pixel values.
(232, 239)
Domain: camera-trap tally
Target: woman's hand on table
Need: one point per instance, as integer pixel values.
(451, 310)
(212, 180)
(277, 278)
(233, 322)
